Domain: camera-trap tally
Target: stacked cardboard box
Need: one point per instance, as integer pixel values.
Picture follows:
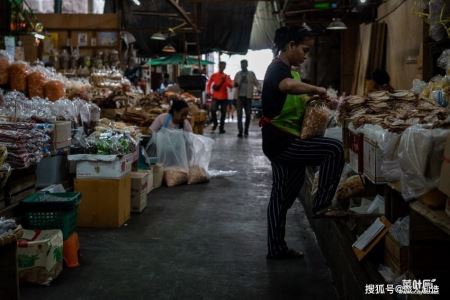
(139, 188)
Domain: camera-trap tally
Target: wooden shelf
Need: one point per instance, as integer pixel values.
(437, 217)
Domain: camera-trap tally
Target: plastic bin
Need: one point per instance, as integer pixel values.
(51, 211)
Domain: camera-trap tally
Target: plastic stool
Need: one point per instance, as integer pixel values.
(71, 249)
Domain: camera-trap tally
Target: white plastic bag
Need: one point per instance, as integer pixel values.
(418, 151)
(171, 150)
(199, 151)
(388, 143)
(400, 231)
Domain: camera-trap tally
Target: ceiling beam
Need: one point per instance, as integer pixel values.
(156, 13)
(183, 13)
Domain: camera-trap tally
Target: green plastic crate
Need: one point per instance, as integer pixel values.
(51, 211)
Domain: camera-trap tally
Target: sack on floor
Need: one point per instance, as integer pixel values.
(316, 120)
(172, 153)
(174, 176)
(199, 151)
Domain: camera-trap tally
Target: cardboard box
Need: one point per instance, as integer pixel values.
(372, 161)
(104, 202)
(62, 136)
(138, 202)
(149, 179)
(356, 151)
(158, 174)
(103, 166)
(40, 255)
(139, 183)
(444, 181)
(395, 255)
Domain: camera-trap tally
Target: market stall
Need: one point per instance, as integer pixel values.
(396, 178)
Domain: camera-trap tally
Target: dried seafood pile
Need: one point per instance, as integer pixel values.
(394, 112)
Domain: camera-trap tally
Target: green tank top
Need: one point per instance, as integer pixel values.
(291, 116)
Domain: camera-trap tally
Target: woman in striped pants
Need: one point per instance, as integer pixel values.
(284, 100)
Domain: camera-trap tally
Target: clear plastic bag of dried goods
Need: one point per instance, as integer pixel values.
(54, 90)
(18, 76)
(35, 82)
(172, 153)
(90, 115)
(316, 119)
(199, 154)
(64, 109)
(5, 61)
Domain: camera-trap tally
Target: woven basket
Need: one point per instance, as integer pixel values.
(12, 236)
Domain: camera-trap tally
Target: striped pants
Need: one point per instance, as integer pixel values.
(288, 175)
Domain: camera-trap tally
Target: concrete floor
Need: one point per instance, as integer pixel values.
(203, 241)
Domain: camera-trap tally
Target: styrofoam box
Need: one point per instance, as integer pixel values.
(103, 166)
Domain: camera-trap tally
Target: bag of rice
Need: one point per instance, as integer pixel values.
(199, 149)
(197, 175)
(174, 176)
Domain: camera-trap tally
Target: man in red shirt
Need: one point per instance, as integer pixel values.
(219, 82)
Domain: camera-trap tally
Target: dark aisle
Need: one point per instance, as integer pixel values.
(199, 242)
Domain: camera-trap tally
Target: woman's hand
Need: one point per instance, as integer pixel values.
(320, 91)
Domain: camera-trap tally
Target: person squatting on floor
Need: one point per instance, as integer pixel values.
(284, 98)
(219, 82)
(245, 81)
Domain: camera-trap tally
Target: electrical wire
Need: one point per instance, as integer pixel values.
(389, 13)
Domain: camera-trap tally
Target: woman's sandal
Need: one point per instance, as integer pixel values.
(288, 254)
(330, 213)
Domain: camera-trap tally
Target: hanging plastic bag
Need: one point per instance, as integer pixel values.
(171, 150)
(200, 149)
(316, 119)
(437, 29)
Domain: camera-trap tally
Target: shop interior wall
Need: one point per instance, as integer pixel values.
(322, 66)
(404, 40)
(349, 40)
(69, 26)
